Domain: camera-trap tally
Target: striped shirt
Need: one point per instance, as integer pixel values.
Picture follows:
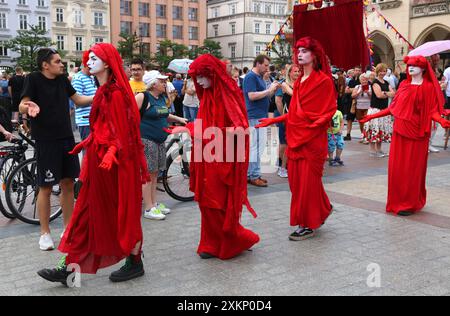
(84, 85)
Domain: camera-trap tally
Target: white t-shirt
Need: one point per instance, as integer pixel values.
(191, 101)
(447, 80)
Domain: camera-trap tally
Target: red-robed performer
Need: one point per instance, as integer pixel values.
(312, 108)
(106, 224)
(418, 102)
(219, 183)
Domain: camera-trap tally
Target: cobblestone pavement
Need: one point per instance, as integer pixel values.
(412, 255)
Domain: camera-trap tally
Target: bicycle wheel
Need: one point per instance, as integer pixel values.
(22, 192)
(176, 178)
(7, 165)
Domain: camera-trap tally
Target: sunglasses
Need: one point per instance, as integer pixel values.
(51, 51)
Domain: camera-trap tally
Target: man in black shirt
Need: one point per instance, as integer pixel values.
(15, 87)
(45, 98)
(352, 116)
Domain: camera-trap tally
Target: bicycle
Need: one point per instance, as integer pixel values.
(10, 157)
(22, 192)
(176, 177)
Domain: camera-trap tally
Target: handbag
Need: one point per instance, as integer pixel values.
(353, 108)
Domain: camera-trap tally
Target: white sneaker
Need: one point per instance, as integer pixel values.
(163, 208)
(434, 150)
(154, 214)
(46, 243)
(283, 173)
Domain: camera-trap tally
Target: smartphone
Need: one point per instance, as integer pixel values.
(281, 81)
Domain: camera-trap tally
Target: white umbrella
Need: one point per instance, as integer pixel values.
(180, 66)
(431, 48)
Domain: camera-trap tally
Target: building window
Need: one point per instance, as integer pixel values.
(42, 22)
(126, 7)
(257, 28)
(59, 15)
(233, 28)
(125, 28)
(3, 49)
(233, 9)
(257, 50)
(79, 43)
(233, 51)
(193, 33)
(161, 30)
(268, 29)
(23, 22)
(161, 11)
(144, 29)
(60, 42)
(144, 9)
(3, 21)
(177, 13)
(99, 19)
(178, 32)
(193, 14)
(216, 30)
(77, 17)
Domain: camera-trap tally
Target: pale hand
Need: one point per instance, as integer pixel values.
(33, 108)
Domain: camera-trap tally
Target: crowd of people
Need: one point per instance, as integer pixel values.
(125, 114)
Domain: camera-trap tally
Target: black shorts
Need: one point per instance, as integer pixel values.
(54, 162)
(447, 104)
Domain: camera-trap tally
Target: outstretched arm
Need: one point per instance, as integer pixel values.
(437, 118)
(270, 121)
(368, 118)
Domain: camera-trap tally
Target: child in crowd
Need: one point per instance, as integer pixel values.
(335, 140)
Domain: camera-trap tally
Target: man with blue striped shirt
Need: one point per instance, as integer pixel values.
(84, 84)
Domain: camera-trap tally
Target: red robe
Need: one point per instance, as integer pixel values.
(313, 102)
(413, 109)
(106, 224)
(220, 186)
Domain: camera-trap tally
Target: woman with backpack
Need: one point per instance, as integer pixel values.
(155, 117)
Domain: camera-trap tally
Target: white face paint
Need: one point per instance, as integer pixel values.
(204, 82)
(95, 64)
(305, 56)
(415, 71)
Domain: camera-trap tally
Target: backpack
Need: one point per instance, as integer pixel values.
(5, 121)
(144, 106)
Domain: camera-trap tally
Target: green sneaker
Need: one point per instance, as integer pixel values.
(163, 208)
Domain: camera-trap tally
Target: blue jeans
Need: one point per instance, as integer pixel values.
(84, 131)
(258, 139)
(190, 113)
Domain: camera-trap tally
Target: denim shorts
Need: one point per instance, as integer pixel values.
(335, 141)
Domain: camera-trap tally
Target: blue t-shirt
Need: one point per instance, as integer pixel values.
(256, 109)
(4, 88)
(154, 120)
(178, 84)
(84, 85)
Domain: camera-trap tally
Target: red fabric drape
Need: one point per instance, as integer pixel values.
(340, 29)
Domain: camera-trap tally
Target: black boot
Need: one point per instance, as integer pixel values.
(205, 255)
(133, 268)
(58, 274)
(405, 213)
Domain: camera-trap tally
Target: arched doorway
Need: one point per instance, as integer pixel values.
(383, 49)
(437, 32)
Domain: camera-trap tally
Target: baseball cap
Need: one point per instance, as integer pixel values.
(151, 76)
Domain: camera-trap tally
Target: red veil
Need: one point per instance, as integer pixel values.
(414, 108)
(314, 101)
(106, 225)
(222, 106)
